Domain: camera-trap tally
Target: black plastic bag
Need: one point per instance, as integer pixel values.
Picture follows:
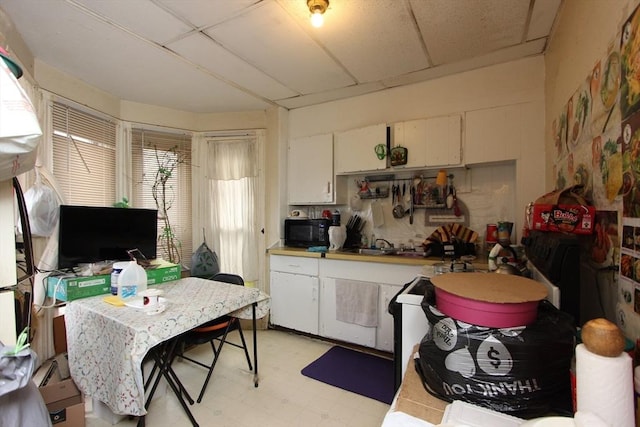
(523, 371)
(204, 262)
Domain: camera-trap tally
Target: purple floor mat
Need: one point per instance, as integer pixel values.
(362, 373)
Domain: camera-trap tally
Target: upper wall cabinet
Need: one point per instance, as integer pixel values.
(310, 171)
(430, 142)
(355, 150)
(494, 134)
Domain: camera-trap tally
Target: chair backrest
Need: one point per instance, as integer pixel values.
(228, 278)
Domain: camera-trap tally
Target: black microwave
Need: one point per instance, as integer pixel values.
(306, 232)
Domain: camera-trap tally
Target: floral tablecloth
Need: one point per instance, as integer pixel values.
(107, 344)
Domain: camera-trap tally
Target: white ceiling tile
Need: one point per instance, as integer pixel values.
(202, 51)
(503, 55)
(143, 17)
(384, 43)
(268, 38)
(542, 18)
(318, 98)
(459, 29)
(208, 12)
(265, 52)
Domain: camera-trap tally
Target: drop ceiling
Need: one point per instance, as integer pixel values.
(207, 56)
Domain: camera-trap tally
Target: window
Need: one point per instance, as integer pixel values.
(84, 156)
(152, 153)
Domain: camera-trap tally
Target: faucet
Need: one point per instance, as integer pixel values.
(383, 240)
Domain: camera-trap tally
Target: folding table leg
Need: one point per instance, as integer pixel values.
(163, 358)
(255, 346)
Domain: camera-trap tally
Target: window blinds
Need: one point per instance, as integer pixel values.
(84, 156)
(149, 150)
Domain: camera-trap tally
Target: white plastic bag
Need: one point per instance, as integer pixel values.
(42, 208)
(19, 128)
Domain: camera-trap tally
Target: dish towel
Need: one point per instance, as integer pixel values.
(357, 302)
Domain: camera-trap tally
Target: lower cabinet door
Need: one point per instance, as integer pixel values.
(294, 301)
(330, 327)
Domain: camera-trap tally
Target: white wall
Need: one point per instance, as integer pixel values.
(505, 84)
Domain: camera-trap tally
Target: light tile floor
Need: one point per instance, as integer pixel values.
(284, 398)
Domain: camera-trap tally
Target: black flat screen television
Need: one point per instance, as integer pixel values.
(91, 234)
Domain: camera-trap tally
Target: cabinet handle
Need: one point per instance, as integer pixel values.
(294, 265)
(314, 293)
(328, 187)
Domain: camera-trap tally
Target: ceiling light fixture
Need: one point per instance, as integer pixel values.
(317, 9)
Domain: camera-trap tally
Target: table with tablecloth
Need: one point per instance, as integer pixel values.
(107, 343)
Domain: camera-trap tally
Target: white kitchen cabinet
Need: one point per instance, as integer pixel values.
(494, 134)
(330, 327)
(311, 179)
(444, 141)
(412, 135)
(294, 293)
(354, 150)
(430, 142)
(389, 278)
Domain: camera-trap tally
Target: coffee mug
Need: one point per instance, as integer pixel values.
(151, 298)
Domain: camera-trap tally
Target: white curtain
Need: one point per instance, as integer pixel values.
(232, 172)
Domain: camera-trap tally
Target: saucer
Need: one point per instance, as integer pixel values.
(139, 304)
(158, 309)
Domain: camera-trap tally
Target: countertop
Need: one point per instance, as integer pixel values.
(350, 256)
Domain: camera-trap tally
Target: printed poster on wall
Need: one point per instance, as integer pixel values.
(629, 105)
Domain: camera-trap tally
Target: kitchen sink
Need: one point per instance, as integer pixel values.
(377, 251)
(386, 251)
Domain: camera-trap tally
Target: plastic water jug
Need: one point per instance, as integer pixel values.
(131, 280)
(115, 273)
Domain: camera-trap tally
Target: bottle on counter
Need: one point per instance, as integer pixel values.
(373, 241)
(364, 242)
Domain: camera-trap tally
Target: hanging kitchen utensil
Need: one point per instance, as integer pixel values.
(456, 209)
(398, 209)
(412, 191)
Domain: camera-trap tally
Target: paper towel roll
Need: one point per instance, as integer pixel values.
(604, 386)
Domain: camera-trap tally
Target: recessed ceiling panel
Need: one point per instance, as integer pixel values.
(143, 17)
(459, 29)
(201, 50)
(373, 39)
(268, 38)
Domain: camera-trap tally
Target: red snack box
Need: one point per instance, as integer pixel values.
(578, 219)
(563, 210)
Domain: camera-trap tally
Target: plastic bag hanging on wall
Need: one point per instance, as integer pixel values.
(19, 129)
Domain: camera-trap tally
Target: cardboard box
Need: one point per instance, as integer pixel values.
(165, 272)
(414, 400)
(65, 403)
(578, 219)
(72, 288)
(563, 210)
(59, 335)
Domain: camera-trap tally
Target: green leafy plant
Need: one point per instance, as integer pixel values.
(124, 203)
(164, 196)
